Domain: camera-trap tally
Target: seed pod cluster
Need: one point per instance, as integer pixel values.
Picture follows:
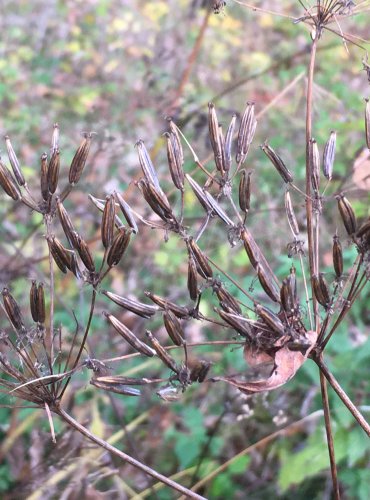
(12, 310)
(129, 336)
(347, 214)
(8, 183)
(278, 163)
(329, 155)
(79, 160)
(37, 302)
(13, 160)
(246, 133)
(134, 306)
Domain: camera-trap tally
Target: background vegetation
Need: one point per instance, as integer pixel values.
(119, 68)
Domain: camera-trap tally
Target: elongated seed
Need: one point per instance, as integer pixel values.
(108, 219)
(119, 379)
(246, 133)
(228, 144)
(8, 183)
(251, 248)
(271, 319)
(277, 162)
(41, 303)
(367, 123)
(174, 131)
(117, 388)
(174, 161)
(179, 311)
(292, 220)
(203, 267)
(84, 253)
(227, 299)
(245, 191)
(34, 302)
(314, 156)
(162, 353)
(218, 210)
(53, 171)
(146, 165)
(347, 214)
(237, 324)
(61, 255)
(329, 155)
(173, 327)
(129, 336)
(134, 306)
(127, 212)
(192, 278)
(156, 200)
(79, 160)
(199, 193)
(44, 176)
(267, 284)
(100, 206)
(12, 309)
(321, 290)
(14, 162)
(119, 246)
(67, 224)
(214, 135)
(337, 256)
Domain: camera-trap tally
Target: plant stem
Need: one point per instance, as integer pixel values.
(329, 435)
(342, 394)
(112, 449)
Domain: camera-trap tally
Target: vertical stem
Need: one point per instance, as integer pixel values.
(52, 292)
(329, 435)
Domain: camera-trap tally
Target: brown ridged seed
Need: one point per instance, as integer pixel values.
(41, 303)
(215, 138)
(203, 267)
(53, 171)
(227, 299)
(199, 193)
(251, 248)
(14, 162)
(12, 309)
(337, 256)
(228, 144)
(100, 205)
(162, 353)
(179, 311)
(267, 284)
(147, 166)
(129, 336)
(55, 138)
(158, 203)
(329, 155)
(245, 191)
(174, 131)
(134, 306)
(34, 302)
(286, 297)
(246, 133)
(347, 214)
(314, 157)
(108, 219)
(61, 255)
(119, 246)
(292, 220)
(173, 327)
(238, 325)
(216, 208)
(174, 161)
(367, 123)
(192, 278)
(67, 224)
(79, 159)
(271, 319)
(115, 387)
(44, 176)
(277, 162)
(321, 290)
(84, 253)
(8, 183)
(127, 212)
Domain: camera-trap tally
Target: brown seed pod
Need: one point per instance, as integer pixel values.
(79, 159)
(321, 290)
(162, 353)
(84, 253)
(174, 161)
(41, 303)
(226, 299)
(314, 157)
(147, 166)
(126, 210)
(179, 311)
(130, 337)
(173, 327)
(199, 193)
(100, 206)
(119, 246)
(247, 130)
(367, 123)
(271, 319)
(67, 224)
(157, 202)
(292, 220)
(347, 214)
(245, 191)
(177, 141)
(201, 262)
(251, 248)
(108, 219)
(337, 256)
(267, 284)
(329, 155)
(228, 144)
(277, 162)
(192, 278)
(34, 301)
(44, 176)
(53, 171)
(134, 306)
(236, 322)
(14, 162)
(215, 138)
(61, 255)
(286, 298)
(55, 138)
(12, 310)
(216, 208)
(116, 387)
(8, 183)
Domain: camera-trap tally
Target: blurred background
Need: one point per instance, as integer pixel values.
(119, 68)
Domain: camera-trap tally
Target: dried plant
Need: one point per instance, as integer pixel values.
(278, 329)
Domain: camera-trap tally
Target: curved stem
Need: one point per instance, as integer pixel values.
(112, 449)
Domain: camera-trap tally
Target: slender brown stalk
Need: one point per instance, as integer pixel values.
(112, 449)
